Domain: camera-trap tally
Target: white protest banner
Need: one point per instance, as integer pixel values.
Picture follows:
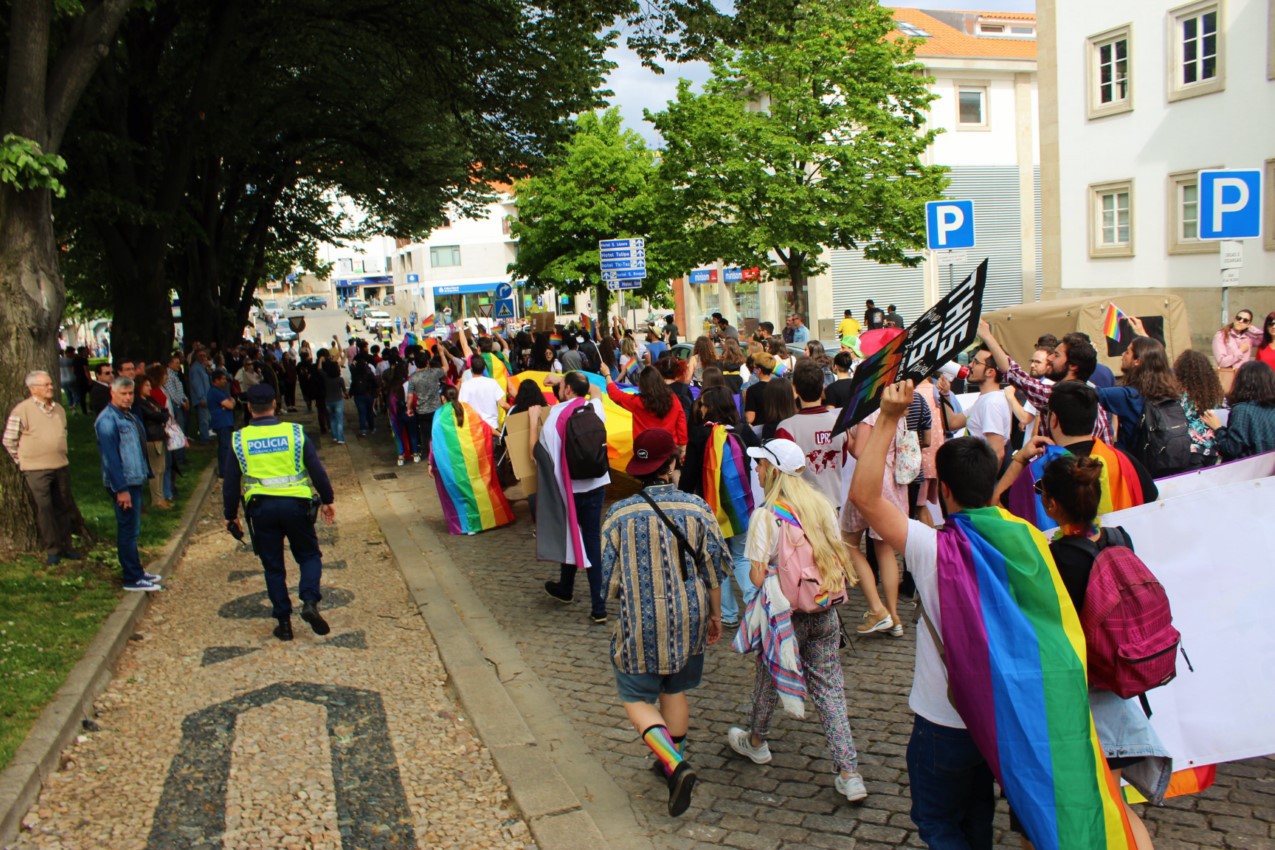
(1205, 547)
(1248, 469)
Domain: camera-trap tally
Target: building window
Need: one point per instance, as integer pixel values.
(344, 265)
(991, 29)
(971, 107)
(1184, 215)
(443, 256)
(1197, 58)
(1111, 219)
(1110, 63)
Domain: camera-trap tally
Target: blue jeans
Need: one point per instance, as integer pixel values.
(952, 795)
(168, 476)
(336, 419)
(223, 448)
(367, 419)
(204, 417)
(740, 570)
(274, 519)
(128, 525)
(589, 515)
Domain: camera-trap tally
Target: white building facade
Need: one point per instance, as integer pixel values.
(1136, 98)
(984, 70)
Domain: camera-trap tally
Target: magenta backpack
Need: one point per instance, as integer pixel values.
(1133, 646)
(799, 577)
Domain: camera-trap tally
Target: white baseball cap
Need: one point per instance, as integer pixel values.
(784, 455)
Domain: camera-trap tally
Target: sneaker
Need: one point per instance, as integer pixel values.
(740, 743)
(340, 442)
(872, 624)
(400, 461)
(152, 578)
(680, 786)
(143, 586)
(551, 588)
(851, 787)
(598, 618)
(730, 624)
(896, 631)
(416, 457)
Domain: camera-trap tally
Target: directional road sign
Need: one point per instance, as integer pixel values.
(504, 290)
(621, 244)
(949, 224)
(504, 308)
(617, 285)
(623, 274)
(623, 260)
(1231, 203)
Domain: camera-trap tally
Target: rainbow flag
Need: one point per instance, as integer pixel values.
(619, 422)
(1121, 487)
(427, 325)
(1192, 780)
(727, 486)
(586, 324)
(1111, 322)
(1015, 656)
(498, 367)
(465, 472)
(555, 338)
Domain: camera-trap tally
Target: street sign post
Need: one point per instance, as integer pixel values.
(623, 263)
(1230, 210)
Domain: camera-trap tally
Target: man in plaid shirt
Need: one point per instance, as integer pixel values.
(1073, 359)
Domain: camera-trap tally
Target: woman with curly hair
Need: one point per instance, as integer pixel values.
(1251, 427)
(1147, 377)
(702, 356)
(1201, 392)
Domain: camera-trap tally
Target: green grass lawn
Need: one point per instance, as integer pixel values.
(51, 614)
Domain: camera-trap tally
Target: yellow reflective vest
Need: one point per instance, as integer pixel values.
(271, 457)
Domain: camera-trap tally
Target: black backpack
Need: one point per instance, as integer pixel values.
(1163, 440)
(586, 444)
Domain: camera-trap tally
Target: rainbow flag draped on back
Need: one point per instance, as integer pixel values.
(1015, 657)
(498, 367)
(619, 422)
(465, 472)
(1121, 487)
(727, 488)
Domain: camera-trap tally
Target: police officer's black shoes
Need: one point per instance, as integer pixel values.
(310, 613)
(283, 631)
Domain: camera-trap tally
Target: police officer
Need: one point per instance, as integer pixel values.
(276, 466)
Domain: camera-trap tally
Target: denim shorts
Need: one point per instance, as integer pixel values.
(647, 687)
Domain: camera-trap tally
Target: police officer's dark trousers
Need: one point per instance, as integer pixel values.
(275, 518)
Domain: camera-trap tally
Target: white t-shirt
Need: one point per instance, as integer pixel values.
(989, 415)
(929, 681)
(483, 394)
(553, 445)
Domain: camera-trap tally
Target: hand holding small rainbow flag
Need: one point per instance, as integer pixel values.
(427, 325)
(1111, 322)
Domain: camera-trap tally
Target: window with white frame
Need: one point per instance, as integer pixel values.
(444, 256)
(971, 107)
(1197, 50)
(1111, 219)
(1110, 64)
(1183, 209)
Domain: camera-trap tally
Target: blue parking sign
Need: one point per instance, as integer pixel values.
(949, 225)
(1231, 203)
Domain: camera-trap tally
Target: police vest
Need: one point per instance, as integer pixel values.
(271, 459)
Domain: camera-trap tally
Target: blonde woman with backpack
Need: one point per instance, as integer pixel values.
(792, 503)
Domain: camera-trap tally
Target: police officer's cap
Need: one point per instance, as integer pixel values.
(260, 394)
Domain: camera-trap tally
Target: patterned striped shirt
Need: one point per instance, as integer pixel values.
(663, 618)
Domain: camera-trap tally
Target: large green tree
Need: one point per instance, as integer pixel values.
(809, 135)
(602, 186)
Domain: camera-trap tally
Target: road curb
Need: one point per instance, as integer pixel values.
(62, 719)
(514, 714)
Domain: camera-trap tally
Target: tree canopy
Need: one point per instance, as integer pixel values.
(808, 137)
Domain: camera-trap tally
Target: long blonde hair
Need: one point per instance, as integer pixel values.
(812, 508)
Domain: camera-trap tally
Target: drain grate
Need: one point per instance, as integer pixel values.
(384, 476)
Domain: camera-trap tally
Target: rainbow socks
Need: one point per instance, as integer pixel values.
(665, 748)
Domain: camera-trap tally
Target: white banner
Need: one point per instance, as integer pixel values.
(1248, 469)
(1207, 546)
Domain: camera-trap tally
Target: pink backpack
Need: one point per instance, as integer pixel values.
(1133, 646)
(799, 577)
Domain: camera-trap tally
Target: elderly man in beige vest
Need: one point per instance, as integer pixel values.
(35, 437)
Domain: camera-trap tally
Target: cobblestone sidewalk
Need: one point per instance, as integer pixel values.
(214, 734)
(790, 803)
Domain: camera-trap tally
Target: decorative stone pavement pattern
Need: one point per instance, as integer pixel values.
(214, 734)
(790, 803)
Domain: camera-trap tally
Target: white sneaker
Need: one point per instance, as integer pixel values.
(143, 586)
(851, 787)
(740, 743)
(152, 578)
(872, 624)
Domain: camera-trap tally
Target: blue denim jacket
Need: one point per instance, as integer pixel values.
(121, 443)
(199, 383)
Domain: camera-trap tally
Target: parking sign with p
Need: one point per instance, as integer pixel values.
(949, 225)
(1231, 203)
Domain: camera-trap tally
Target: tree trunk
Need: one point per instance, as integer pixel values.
(33, 297)
(797, 275)
(602, 303)
(142, 324)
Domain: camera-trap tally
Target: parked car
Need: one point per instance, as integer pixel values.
(353, 304)
(283, 332)
(309, 302)
(376, 319)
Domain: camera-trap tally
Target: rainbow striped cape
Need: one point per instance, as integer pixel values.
(727, 486)
(1015, 657)
(498, 367)
(465, 472)
(1121, 487)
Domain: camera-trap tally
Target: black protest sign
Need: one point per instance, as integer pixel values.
(932, 340)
